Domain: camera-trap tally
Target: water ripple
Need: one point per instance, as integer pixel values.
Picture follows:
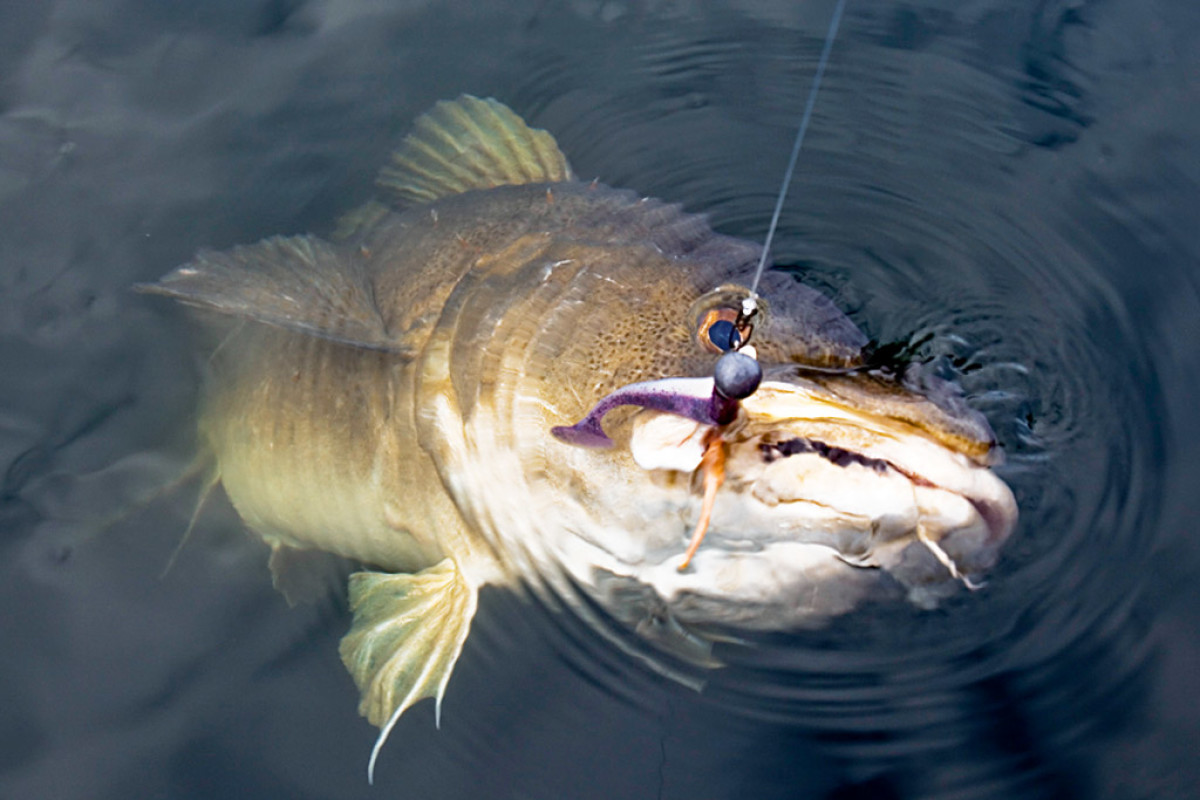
(921, 206)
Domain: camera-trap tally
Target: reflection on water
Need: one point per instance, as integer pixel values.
(1008, 187)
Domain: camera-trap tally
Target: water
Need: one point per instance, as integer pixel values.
(1009, 186)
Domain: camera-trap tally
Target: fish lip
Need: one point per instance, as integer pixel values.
(912, 396)
(1000, 527)
(1000, 521)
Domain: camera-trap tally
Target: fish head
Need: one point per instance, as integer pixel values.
(841, 479)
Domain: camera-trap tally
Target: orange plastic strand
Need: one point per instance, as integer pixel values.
(713, 464)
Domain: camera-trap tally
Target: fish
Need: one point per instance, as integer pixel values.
(450, 391)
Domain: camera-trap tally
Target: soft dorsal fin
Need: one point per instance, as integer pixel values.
(469, 143)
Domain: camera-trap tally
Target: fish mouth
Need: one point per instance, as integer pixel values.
(933, 440)
(836, 474)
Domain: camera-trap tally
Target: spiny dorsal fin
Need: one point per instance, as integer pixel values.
(407, 634)
(300, 283)
(469, 143)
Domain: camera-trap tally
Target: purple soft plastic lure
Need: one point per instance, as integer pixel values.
(694, 398)
(710, 401)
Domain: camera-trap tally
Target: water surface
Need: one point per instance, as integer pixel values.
(1009, 189)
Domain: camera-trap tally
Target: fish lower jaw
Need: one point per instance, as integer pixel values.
(781, 585)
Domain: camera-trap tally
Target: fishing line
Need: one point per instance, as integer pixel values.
(750, 304)
(736, 374)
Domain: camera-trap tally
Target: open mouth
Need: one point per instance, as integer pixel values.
(834, 455)
(998, 516)
(800, 465)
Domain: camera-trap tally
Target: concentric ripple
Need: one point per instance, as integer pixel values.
(925, 204)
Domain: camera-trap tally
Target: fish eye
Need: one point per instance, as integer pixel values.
(718, 331)
(722, 334)
(717, 321)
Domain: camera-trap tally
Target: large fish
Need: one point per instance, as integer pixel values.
(406, 395)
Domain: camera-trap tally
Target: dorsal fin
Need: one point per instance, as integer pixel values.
(300, 283)
(469, 143)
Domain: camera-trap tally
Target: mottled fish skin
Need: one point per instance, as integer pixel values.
(389, 396)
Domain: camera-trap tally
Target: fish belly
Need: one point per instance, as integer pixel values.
(316, 449)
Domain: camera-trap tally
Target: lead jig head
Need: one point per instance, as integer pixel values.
(737, 374)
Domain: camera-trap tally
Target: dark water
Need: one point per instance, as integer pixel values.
(1014, 187)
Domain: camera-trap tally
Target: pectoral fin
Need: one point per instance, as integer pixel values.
(407, 634)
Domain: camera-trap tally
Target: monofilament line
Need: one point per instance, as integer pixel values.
(834, 22)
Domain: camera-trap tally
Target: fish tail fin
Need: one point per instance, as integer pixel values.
(466, 144)
(407, 634)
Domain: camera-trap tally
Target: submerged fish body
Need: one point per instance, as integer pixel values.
(389, 397)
